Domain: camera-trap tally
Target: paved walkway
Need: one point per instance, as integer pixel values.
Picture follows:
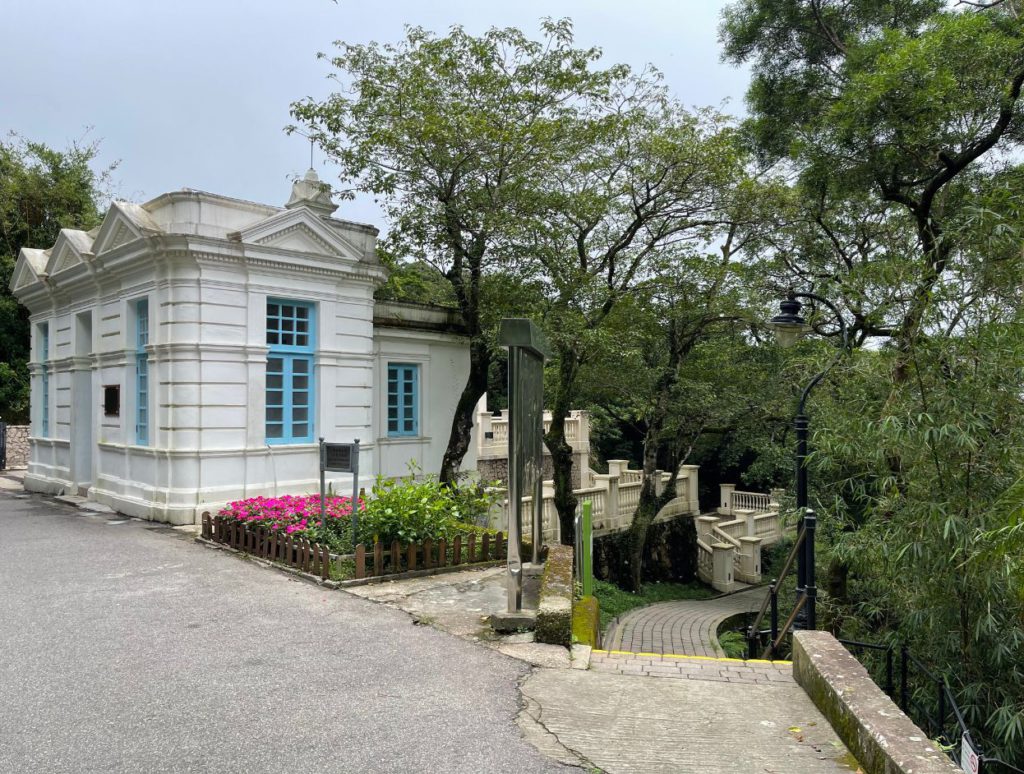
(682, 627)
(722, 717)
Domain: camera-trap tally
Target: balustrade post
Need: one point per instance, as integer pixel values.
(750, 559)
(704, 525)
(722, 566)
(692, 487)
(725, 499)
(659, 483)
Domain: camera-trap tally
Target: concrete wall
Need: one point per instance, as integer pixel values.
(17, 446)
(882, 738)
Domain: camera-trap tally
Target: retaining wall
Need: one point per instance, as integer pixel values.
(878, 733)
(17, 446)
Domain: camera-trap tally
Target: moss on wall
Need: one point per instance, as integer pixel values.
(554, 613)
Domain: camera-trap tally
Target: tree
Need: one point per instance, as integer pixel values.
(647, 178)
(456, 134)
(902, 123)
(42, 190)
(900, 101)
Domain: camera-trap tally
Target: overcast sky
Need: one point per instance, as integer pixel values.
(195, 93)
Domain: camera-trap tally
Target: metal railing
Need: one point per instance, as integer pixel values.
(927, 700)
(3, 446)
(771, 602)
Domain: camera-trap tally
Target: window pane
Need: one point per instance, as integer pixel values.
(274, 431)
(299, 430)
(300, 414)
(287, 340)
(300, 382)
(302, 312)
(392, 425)
(300, 366)
(301, 339)
(302, 326)
(287, 325)
(273, 310)
(272, 337)
(275, 398)
(274, 381)
(275, 414)
(275, 365)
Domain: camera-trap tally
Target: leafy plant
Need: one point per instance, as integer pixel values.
(733, 643)
(412, 509)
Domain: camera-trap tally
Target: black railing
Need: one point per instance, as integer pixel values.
(3, 446)
(755, 634)
(927, 700)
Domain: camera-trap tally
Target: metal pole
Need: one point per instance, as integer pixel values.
(323, 489)
(800, 425)
(810, 527)
(889, 687)
(355, 494)
(537, 510)
(588, 575)
(940, 726)
(775, 614)
(904, 690)
(515, 483)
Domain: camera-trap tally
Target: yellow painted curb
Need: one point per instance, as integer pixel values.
(694, 658)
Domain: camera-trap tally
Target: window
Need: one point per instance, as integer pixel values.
(44, 356)
(141, 372)
(403, 399)
(290, 337)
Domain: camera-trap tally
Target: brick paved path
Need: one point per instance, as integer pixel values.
(719, 670)
(682, 627)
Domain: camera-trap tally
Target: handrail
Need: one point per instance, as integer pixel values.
(726, 536)
(778, 582)
(786, 626)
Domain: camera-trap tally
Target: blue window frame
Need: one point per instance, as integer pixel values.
(403, 399)
(44, 356)
(141, 372)
(291, 339)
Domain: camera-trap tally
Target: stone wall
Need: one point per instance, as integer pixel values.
(496, 469)
(17, 446)
(880, 736)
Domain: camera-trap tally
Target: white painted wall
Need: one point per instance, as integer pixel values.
(207, 265)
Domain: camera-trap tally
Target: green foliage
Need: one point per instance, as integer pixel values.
(412, 509)
(734, 644)
(615, 601)
(41, 191)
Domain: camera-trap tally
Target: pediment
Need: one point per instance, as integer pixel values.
(69, 250)
(30, 264)
(123, 223)
(300, 230)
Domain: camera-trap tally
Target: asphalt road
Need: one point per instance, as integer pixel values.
(126, 647)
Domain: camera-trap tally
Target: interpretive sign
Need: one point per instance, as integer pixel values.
(969, 759)
(340, 458)
(527, 350)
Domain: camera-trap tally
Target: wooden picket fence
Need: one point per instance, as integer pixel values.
(428, 555)
(266, 543)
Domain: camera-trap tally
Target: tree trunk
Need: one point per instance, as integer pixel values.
(561, 451)
(462, 423)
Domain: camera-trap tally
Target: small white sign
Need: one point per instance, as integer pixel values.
(969, 760)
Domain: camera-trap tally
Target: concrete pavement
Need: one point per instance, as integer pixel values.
(639, 724)
(125, 646)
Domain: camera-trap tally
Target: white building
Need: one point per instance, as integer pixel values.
(191, 350)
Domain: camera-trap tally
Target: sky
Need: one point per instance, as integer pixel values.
(195, 93)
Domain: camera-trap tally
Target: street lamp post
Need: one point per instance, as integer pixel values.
(789, 326)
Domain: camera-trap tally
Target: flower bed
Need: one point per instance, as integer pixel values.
(299, 516)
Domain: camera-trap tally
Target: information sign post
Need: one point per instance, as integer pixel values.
(340, 458)
(527, 351)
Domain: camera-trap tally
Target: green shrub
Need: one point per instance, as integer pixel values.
(410, 510)
(734, 644)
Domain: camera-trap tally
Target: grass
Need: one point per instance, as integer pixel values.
(615, 601)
